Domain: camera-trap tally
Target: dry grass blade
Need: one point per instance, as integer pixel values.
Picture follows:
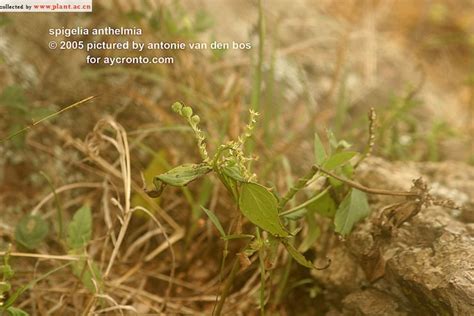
(67, 108)
(39, 256)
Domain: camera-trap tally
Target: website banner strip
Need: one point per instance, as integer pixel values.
(45, 5)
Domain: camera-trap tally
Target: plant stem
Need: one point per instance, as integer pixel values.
(283, 282)
(303, 205)
(360, 187)
(58, 205)
(262, 273)
(227, 287)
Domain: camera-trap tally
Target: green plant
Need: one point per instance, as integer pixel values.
(32, 230)
(339, 198)
(259, 204)
(79, 233)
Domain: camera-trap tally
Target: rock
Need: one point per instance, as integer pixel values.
(426, 267)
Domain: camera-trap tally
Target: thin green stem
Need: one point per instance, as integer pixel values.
(13, 297)
(261, 253)
(283, 282)
(303, 205)
(227, 287)
(58, 206)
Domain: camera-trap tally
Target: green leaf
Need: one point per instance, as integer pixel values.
(79, 231)
(260, 207)
(13, 311)
(338, 159)
(234, 173)
(298, 256)
(31, 231)
(214, 220)
(182, 175)
(352, 209)
(324, 206)
(348, 170)
(86, 274)
(230, 184)
(319, 151)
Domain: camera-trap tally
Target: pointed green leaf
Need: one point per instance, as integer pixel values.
(260, 206)
(31, 230)
(338, 159)
(319, 151)
(79, 231)
(298, 256)
(214, 220)
(182, 175)
(352, 209)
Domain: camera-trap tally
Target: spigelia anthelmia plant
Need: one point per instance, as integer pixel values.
(339, 198)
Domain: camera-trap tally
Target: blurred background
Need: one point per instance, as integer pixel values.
(323, 65)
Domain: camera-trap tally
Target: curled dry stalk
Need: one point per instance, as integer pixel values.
(396, 214)
(120, 143)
